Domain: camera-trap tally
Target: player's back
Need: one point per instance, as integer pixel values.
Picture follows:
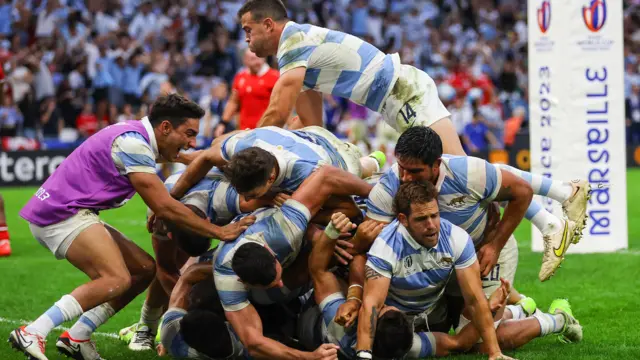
(338, 63)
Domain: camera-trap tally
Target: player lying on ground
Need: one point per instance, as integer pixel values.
(256, 161)
(212, 198)
(256, 260)
(468, 185)
(103, 173)
(314, 60)
(394, 333)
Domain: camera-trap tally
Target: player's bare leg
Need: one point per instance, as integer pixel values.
(450, 140)
(76, 342)
(5, 245)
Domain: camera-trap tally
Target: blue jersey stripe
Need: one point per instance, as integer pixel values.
(334, 37)
(381, 84)
(346, 82)
(311, 78)
(300, 54)
(367, 53)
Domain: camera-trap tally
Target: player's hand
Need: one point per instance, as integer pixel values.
(326, 352)
(232, 231)
(347, 313)
(500, 356)
(342, 222)
(161, 350)
(219, 131)
(280, 198)
(341, 252)
(487, 258)
(368, 231)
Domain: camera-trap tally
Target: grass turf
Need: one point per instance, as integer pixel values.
(602, 288)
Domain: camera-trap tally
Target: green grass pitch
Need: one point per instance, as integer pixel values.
(603, 288)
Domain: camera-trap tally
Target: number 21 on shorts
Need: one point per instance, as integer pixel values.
(407, 113)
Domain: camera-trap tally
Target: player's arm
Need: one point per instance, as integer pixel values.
(309, 108)
(248, 326)
(198, 169)
(283, 98)
(335, 204)
(230, 110)
(376, 288)
(325, 182)
(155, 195)
(194, 274)
(518, 193)
(475, 300)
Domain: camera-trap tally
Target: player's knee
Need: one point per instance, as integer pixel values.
(118, 282)
(506, 342)
(146, 270)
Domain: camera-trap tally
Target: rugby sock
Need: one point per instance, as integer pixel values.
(65, 309)
(90, 321)
(545, 221)
(550, 324)
(150, 317)
(4, 232)
(516, 312)
(542, 185)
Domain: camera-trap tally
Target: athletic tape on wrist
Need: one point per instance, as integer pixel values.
(332, 232)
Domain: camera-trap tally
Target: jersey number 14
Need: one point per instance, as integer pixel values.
(407, 113)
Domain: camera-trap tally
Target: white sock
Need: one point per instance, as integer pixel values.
(546, 222)
(542, 185)
(550, 324)
(517, 313)
(65, 309)
(150, 317)
(373, 161)
(90, 321)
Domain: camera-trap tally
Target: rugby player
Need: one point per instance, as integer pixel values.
(314, 60)
(466, 188)
(103, 173)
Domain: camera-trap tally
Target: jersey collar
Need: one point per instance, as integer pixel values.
(263, 70)
(152, 135)
(441, 175)
(408, 238)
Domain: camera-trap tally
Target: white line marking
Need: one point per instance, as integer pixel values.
(23, 322)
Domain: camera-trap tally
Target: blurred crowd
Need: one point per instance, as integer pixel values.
(73, 66)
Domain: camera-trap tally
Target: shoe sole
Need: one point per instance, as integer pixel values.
(580, 225)
(18, 347)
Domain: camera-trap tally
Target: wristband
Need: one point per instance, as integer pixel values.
(364, 354)
(354, 298)
(355, 291)
(331, 231)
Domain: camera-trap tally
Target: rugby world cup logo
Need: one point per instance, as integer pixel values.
(544, 16)
(595, 15)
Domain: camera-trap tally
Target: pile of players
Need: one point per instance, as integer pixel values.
(321, 254)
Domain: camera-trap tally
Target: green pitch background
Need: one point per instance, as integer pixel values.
(604, 289)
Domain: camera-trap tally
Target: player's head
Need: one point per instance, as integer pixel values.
(199, 327)
(418, 153)
(394, 334)
(252, 61)
(257, 267)
(416, 204)
(176, 121)
(251, 172)
(262, 21)
(204, 296)
(191, 243)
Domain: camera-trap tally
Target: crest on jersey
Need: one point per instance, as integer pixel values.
(457, 202)
(408, 262)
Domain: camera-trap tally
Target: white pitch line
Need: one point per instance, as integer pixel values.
(22, 322)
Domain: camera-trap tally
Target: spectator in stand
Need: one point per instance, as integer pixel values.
(87, 122)
(512, 126)
(633, 115)
(477, 138)
(250, 94)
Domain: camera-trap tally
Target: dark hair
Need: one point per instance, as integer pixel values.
(254, 264)
(421, 143)
(416, 192)
(191, 243)
(249, 169)
(394, 335)
(262, 9)
(204, 296)
(207, 333)
(174, 108)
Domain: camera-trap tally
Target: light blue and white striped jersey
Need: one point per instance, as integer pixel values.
(419, 274)
(178, 349)
(281, 230)
(298, 153)
(213, 195)
(467, 186)
(347, 338)
(339, 64)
